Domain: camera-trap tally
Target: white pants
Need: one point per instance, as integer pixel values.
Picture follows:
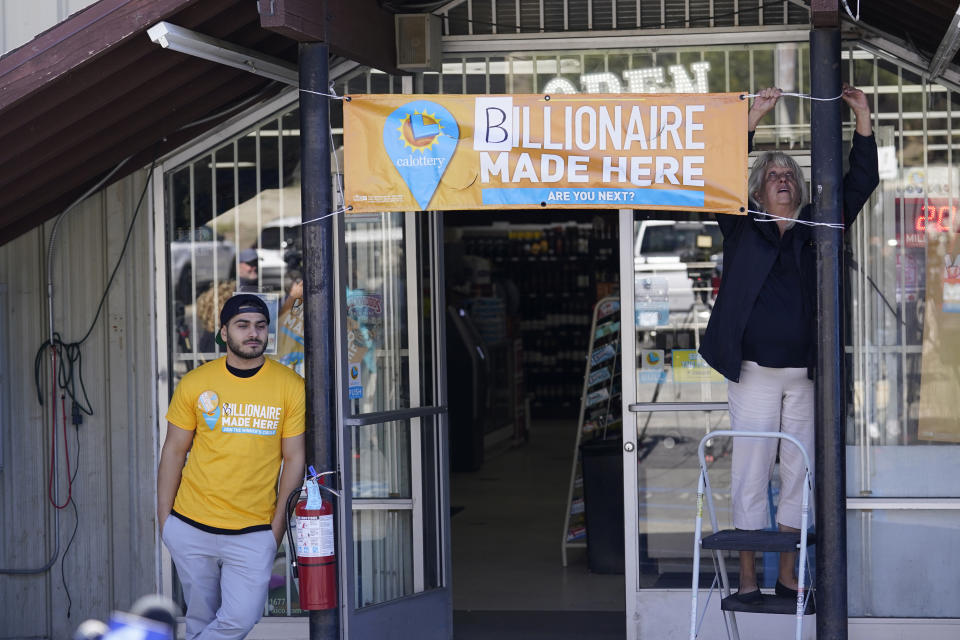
(224, 578)
(768, 399)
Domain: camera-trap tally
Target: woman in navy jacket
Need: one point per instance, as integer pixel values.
(761, 333)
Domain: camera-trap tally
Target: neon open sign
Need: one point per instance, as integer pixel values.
(648, 80)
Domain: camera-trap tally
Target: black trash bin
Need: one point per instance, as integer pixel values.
(602, 465)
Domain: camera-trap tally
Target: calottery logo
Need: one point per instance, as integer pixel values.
(255, 419)
(209, 405)
(420, 138)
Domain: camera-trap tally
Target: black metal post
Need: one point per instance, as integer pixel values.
(319, 281)
(826, 184)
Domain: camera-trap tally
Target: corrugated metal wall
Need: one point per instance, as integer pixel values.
(112, 560)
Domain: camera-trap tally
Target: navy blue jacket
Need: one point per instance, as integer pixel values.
(750, 249)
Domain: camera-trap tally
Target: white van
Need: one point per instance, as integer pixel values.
(281, 249)
(676, 265)
(201, 255)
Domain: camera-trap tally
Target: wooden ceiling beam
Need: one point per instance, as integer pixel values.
(356, 29)
(90, 157)
(76, 42)
(92, 96)
(134, 59)
(14, 223)
(50, 134)
(825, 14)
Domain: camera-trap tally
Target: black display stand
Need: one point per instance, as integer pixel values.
(600, 419)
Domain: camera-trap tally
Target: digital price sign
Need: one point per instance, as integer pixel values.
(927, 216)
(935, 218)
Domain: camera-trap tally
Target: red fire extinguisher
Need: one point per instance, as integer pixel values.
(316, 561)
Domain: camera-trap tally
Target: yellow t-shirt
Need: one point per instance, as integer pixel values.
(230, 478)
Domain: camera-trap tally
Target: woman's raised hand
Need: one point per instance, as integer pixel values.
(763, 104)
(857, 101)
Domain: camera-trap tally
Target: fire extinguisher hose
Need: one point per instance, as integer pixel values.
(291, 542)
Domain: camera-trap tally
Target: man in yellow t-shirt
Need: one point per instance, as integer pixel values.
(239, 417)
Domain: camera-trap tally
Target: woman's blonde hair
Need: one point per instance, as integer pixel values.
(211, 301)
(758, 175)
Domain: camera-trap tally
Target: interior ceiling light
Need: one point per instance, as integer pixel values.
(948, 47)
(170, 36)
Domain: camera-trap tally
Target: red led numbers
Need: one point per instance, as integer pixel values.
(937, 217)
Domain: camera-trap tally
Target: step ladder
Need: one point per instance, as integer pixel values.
(733, 540)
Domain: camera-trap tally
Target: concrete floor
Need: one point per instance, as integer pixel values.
(507, 527)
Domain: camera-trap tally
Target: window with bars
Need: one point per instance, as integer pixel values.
(481, 17)
(233, 217)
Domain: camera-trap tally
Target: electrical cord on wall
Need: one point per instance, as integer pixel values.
(66, 455)
(67, 375)
(53, 234)
(76, 520)
(70, 373)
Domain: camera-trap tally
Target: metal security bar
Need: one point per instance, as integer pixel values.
(477, 17)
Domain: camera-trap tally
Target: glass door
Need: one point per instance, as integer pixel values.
(669, 270)
(393, 446)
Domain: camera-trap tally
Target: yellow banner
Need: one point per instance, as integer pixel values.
(679, 152)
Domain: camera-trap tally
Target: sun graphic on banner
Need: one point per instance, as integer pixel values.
(420, 131)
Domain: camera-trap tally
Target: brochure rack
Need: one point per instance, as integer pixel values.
(600, 410)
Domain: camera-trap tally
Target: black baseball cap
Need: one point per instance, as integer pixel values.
(248, 256)
(241, 303)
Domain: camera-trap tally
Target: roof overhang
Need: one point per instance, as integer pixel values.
(94, 90)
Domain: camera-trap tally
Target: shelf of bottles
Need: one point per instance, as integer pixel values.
(600, 409)
(559, 272)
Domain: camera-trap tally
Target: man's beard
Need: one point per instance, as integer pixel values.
(243, 351)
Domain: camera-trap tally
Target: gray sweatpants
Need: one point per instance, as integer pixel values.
(224, 578)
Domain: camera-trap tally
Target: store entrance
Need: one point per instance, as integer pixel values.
(521, 288)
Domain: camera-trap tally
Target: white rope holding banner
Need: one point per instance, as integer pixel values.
(773, 218)
(806, 96)
(328, 95)
(339, 189)
(332, 94)
(329, 215)
(846, 6)
(769, 217)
